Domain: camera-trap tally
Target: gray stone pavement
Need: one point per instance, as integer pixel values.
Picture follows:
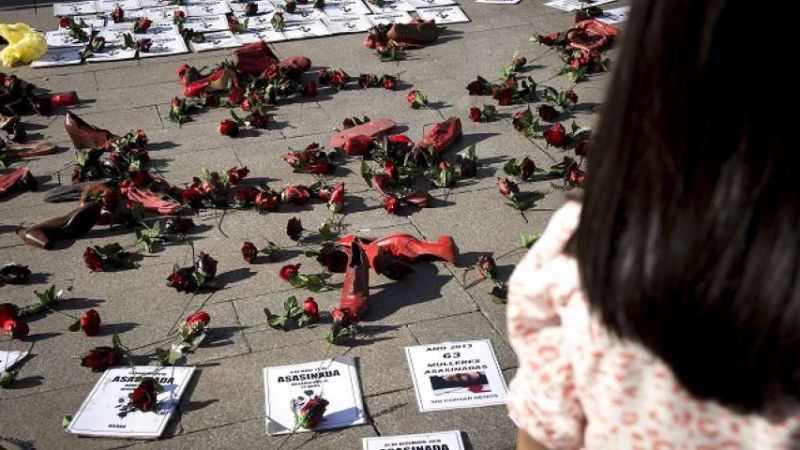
(223, 408)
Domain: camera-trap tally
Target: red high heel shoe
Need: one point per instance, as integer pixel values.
(355, 292)
(416, 33)
(19, 179)
(75, 224)
(406, 248)
(84, 135)
(217, 81)
(369, 129)
(442, 135)
(150, 201)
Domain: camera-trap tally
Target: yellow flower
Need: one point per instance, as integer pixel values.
(24, 44)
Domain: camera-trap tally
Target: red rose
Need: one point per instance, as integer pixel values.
(289, 271)
(15, 328)
(229, 128)
(477, 87)
(338, 79)
(63, 22)
(547, 113)
(258, 120)
(582, 148)
(336, 201)
(389, 82)
(249, 252)
(319, 167)
(179, 14)
(486, 267)
(251, 9)
(310, 89)
(182, 280)
(294, 229)
(196, 323)
(179, 225)
(7, 311)
(338, 315)
(270, 73)
(93, 260)
(246, 105)
(310, 415)
(526, 169)
(267, 201)
(192, 196)
(118, 15)
(475, 114)
(418, 198)
(417, 99)
(206, 265)
(575, 175)
(236, 174)
(90, 322)
(467, 168)
(144, 397)
(357, 145)
(507, 187)
(391, 204)
(571, 96)
(390, 170)
(142, 25)
(235, 96)
(100, 358)
(245, 195)
(556, 135)
(518, 119)
(504, 96)
(366, 80)
(296, 195)
(333, 260)
(311, 308)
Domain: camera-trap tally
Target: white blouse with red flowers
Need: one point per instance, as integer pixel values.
(577, 387)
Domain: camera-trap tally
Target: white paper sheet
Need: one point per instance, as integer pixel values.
(616, 15)
(574, 5)
(207, 9)
(430, 3)
(59, 56)
(454, 375)
(264, 7)
(335, 380)
(159, 13)
(346, 8)
(306, 29)
(112, 53)
(217, 40)
(100, 414)
(75, 8)
(165, 45)
(348, 24)
(302, 13)
(107, 6)
(262, 34)
(389, 18)
(10, 358)
(203, 24)
(390, 6)
(61, 38)
(498, 2)
(450, 440)
(443, 15)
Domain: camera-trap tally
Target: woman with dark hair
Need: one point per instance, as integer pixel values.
(662, 310)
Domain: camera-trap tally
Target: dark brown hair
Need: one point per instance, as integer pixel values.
(690, 231)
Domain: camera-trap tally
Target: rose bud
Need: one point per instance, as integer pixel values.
(178, 17)
(338, 79)
(63, 22)
(507, 187)
(311, 308)
(195, 324)
(366, 80)
(249, 252)
(348, 122)
(338, 315)
(179, 225)
(289, 271)
(571, 96)
(389, 82)
(93, 260)
(182, 280)
(477, 87)
(100, 358)
(418, 198)
(310, 89)
(518, 120)
(336, 201)
(391, 204)
(504, 96)
(467, 168)
(475, 114)
(7, 311)
(518, 62)
(90, 322)
(486, 267)
(259, 120)
(335, 261)
(118, 15)
(144, 397)
(15, 328)
(142, 25)
(324, 76)
(294, 229)
(556, 135)
(13, 274)
(575, 175)
(245, 195)
(251, 9)
(229, 128)
(417, 99)
(390, 169)
(547, 113)
(193, 197)
(236, 174)
(296, 195)
(246, 105)
(206, 265)
(310, 414)
(357, 145)
(235, 96)
(582, 148)
(267, 201)
(526, 169)
(144, 45)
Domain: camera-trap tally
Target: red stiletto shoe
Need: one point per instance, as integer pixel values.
(442, 135)
(217, 81)
(150, 201)
(84, 135)
(406, 247)
(295, 66)
(253, 59)
(369, 129)
(416, 33)
(75, 224)
(17, 180)
(355, 292)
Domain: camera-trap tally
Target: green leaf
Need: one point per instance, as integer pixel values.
(366, 173)
(499, 293)
(273, 320)
(325, 232)
(66, 420)
(511, 167)
(75, 326)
